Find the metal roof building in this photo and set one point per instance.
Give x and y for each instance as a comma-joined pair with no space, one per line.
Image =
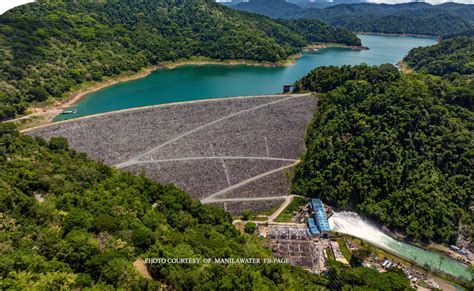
313,229
320,215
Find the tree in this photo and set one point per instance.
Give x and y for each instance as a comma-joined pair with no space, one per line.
77,219
142,237
58,143
38,94
106,222
120,272
246,214
250,227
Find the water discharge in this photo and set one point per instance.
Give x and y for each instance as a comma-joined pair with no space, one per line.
352,224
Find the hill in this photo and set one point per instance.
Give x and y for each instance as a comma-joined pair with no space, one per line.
270,8
324,4
433,22
393,147
50,48
316,31
408,18
453,55
467,32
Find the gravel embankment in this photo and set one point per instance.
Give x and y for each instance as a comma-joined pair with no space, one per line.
276,184
117,136
203,147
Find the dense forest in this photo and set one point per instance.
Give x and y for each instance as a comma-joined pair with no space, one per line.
408,18
466,32
453,55
270,8
51,47
68,222
315,31
395,147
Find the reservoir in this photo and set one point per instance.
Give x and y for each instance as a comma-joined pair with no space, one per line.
193,82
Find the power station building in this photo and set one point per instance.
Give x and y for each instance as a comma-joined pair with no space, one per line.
312,228
318,218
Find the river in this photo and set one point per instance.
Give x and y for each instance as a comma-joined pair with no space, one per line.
193,82
352,224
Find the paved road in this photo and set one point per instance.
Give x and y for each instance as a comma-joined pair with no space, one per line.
282,207
275,214
214,158
244,199
294,224
50,114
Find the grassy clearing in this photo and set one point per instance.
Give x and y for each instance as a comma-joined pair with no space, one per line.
344,250
329,254
287,214
269,211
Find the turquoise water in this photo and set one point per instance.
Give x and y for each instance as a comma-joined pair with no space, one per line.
351,223
215,81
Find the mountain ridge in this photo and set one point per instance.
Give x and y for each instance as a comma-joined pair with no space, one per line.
408,18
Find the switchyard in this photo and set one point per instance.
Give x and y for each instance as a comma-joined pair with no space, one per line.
306,245
293,243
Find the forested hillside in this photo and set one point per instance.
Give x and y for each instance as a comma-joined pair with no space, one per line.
454,55
68,222
325,4
467,32
432,22
51,47
409,18
317,31
271,8
396,148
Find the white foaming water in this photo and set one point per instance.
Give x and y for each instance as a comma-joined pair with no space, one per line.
352,224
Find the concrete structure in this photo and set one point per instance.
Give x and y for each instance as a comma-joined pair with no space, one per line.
287,88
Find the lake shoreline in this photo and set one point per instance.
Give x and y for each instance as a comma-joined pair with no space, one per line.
396,34
46,114
131,109
404,68
50,110
77,95
204,61
318,46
